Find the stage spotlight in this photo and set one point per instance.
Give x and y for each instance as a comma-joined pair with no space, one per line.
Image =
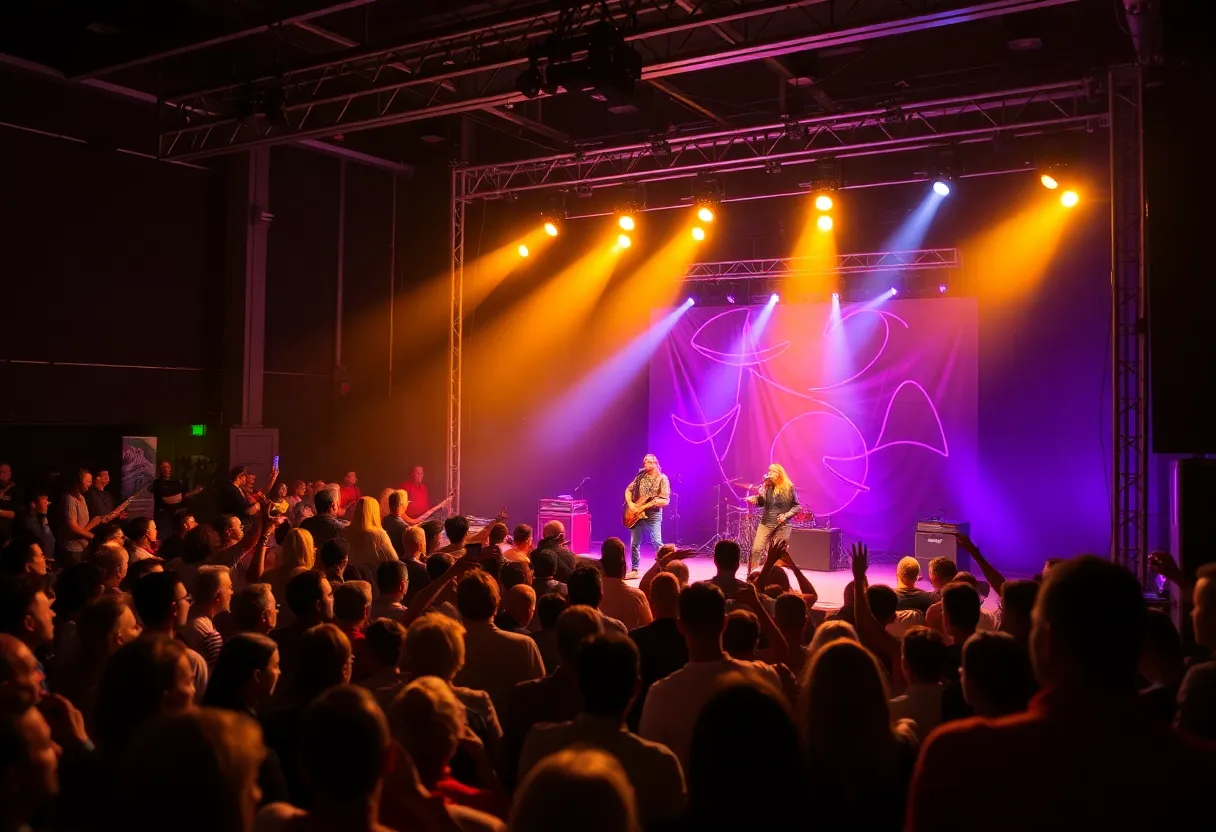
705,214
623,241
894,291
1069,198
824,223
523,251
942,288
626,222
774,298
1049,181
698,233
551,228
730,299
823,202
835,295
941,187
690,302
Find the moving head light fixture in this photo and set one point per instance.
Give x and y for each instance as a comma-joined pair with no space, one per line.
606,64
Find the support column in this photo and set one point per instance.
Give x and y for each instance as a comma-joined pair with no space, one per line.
456,337
1129,339
245,312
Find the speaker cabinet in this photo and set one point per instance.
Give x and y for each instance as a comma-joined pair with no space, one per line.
578,529
930,545
815,548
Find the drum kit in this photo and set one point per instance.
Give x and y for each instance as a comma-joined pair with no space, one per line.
741,520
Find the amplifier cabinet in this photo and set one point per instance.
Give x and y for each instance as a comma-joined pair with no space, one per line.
930,545
578,529
815,549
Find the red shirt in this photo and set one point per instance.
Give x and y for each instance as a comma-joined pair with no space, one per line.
362,667
453,791
420,500
1067,764
349,495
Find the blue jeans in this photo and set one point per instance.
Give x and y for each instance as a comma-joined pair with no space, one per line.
652,527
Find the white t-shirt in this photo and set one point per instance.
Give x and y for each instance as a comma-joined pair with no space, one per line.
674,702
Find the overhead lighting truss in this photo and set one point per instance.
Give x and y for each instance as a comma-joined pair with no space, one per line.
465,70
932,123
775,267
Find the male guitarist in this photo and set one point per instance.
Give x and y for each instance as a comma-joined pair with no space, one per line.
644,501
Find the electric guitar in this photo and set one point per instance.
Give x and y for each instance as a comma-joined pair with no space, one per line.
631,518
447,501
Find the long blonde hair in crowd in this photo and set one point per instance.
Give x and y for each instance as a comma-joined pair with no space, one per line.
367,515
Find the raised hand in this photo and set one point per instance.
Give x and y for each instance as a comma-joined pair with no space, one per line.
1166,566
861,561
968,546
747,594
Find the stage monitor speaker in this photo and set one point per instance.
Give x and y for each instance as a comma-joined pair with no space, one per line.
1192,528
578,529
814,548
930,545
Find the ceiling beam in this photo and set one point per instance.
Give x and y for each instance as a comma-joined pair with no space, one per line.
147,98
669,89
518,120
226,37
728,34
322,112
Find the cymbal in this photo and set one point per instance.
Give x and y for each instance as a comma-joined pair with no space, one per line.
750,486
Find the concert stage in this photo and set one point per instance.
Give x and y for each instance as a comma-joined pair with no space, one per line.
829,585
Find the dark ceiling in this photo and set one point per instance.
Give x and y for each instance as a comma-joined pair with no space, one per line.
164,48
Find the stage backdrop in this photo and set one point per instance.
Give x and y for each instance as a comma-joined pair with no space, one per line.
871,408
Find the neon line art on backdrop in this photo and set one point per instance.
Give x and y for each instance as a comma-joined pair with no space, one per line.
836,445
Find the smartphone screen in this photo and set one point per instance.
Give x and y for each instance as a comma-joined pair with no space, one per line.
473,550
276,460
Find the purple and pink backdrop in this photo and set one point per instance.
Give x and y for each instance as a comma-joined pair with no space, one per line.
872,409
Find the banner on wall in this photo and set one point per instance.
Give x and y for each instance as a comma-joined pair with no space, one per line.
138,472
871,408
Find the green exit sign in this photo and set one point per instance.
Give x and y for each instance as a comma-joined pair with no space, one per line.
198,430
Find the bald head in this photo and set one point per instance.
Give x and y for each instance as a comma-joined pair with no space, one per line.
520,603
20,677
554,529
665,595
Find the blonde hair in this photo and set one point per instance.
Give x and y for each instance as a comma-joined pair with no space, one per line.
416,534
434,646
367,516
384,502
224,750
829,631
298,550
582,788
782,484
428,720
908,570
844,717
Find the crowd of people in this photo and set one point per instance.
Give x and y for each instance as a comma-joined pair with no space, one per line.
311,658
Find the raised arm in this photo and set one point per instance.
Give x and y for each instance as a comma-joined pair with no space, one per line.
872,633
993,576
748,595
659,565
805,587
423,600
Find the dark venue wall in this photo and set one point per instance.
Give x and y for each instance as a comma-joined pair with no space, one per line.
115,302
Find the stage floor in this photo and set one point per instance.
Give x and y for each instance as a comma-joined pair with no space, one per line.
829,585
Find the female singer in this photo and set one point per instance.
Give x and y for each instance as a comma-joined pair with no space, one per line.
777,497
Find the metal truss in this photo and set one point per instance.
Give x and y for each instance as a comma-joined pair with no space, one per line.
934,258
465,71
456,339
1129,340
945,121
